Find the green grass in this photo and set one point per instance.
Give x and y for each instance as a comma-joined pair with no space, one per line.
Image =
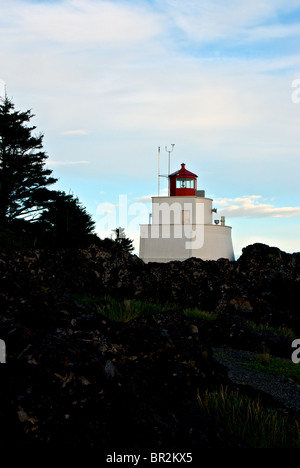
125,310
200,314
122,310
247,419
274,366
281,331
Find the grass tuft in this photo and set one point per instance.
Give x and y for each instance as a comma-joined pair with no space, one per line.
200,314
247,419
274,366
121,310
281,331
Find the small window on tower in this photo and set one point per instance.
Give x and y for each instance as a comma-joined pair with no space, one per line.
190,183
180,183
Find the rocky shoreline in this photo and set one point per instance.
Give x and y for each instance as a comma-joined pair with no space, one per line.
73,376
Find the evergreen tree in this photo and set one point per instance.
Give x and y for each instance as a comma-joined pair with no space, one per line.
65,221
124,242
23,177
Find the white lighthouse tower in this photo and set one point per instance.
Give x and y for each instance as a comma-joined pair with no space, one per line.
182,225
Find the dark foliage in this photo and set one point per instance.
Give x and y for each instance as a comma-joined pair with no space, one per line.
23,176
73,377
31,215
65,222
122,241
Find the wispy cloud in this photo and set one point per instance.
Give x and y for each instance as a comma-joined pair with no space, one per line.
246,206
65,163
145,199
148,198
208,20
81,22
213,77
75,132
251,207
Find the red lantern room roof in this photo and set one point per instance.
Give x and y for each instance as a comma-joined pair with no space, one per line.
183,172
182,183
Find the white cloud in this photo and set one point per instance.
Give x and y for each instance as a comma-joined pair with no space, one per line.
137,84
79,22
75,132
145,199
118,69
65,163
208,20
148,198
251,207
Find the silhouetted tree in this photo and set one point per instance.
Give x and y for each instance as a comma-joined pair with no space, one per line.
122,241
65,221
23,177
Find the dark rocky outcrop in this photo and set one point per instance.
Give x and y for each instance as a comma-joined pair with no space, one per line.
263,284
74,377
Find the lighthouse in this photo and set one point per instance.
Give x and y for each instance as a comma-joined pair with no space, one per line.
182,225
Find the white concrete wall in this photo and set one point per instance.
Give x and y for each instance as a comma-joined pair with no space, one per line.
162,243
217,243
182,228
209,242
168,210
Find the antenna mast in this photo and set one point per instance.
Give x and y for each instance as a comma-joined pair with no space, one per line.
160,175
159,171
169,151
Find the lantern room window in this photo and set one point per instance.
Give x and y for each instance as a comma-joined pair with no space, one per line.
185,183
182,183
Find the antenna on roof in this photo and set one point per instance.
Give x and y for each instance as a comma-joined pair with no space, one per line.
159,174
170,151
159,171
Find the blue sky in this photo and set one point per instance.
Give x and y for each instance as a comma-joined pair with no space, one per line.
111,81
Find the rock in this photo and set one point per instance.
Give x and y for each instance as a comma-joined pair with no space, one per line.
194,329
241,305
263,283
74,375
109,370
